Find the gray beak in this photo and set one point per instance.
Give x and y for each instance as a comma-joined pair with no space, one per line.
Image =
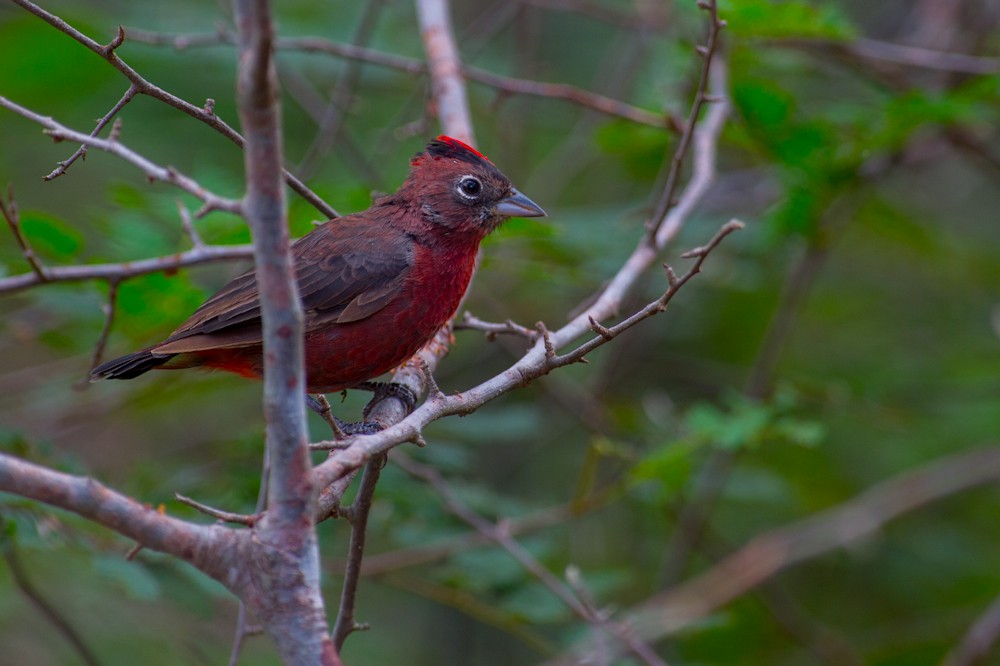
518,205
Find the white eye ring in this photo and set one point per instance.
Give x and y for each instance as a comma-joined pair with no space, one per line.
469,187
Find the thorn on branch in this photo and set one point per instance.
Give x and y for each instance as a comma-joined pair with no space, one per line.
108,49
602,331
550,350
672,280
209,107
109,317
188,225
133,551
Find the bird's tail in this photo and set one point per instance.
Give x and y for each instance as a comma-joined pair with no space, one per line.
129,366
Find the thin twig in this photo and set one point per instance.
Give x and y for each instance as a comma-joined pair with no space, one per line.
701,97
382,563
153,171
204,114
81,152
127,269
914,56
332,121
10,213
473,323
506,84
358,514
109,318
188,225
218,514
771,552
38,600
499,534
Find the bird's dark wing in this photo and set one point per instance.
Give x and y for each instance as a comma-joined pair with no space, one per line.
343,275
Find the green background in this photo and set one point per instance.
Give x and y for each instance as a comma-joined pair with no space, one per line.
870,194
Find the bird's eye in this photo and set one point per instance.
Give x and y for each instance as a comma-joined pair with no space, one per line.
470,187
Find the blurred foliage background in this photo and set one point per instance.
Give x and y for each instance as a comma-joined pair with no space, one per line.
850,333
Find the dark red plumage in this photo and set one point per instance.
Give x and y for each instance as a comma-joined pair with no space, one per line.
375,285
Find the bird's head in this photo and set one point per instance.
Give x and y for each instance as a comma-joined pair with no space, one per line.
458,188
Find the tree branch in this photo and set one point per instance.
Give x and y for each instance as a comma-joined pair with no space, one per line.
498,534
773,551
506,84
203,255
358,515
206,547
206,115
153,171
82,150
286,573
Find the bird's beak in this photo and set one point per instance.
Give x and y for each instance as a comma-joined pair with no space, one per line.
518,205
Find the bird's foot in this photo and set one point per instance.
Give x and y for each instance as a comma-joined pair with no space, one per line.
388,390
319,404
359,427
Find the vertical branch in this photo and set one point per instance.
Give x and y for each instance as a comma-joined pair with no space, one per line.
285,571
358,515
447,84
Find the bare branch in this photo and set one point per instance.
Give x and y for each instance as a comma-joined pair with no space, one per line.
701,97
287,597
473,323
358,515
499,534
109,319
206,547
224,516
448,88
82,150
776,550
49,610
501,82
382,563
153,172
204,255
913,56
336,109
9,211
206,115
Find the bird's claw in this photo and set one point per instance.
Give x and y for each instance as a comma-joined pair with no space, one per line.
359,427
383,390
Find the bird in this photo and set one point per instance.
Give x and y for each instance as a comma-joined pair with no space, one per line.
375,286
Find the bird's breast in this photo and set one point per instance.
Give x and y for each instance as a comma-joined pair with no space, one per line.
343,355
